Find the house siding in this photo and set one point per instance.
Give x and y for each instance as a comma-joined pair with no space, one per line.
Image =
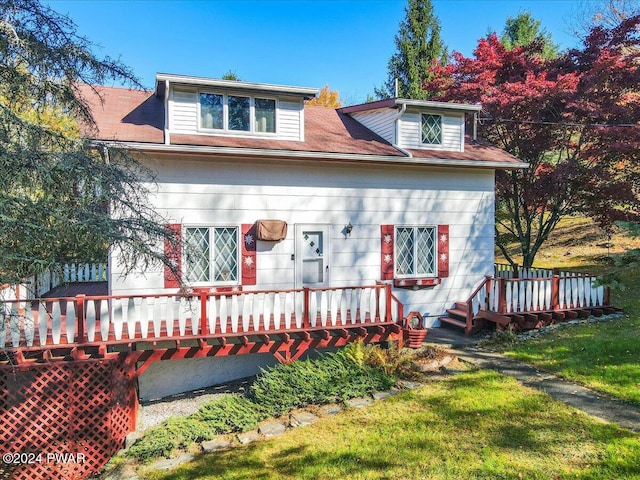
452,132
214,192
183,111
206,191
380,121
183,115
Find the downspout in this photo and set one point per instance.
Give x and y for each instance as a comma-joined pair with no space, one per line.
475,126
395,145
167,138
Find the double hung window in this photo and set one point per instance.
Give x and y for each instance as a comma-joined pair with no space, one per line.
416,254
212,255
237,113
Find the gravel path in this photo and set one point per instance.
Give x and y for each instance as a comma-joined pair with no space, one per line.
155,412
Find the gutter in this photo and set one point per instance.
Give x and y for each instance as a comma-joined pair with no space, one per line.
307,155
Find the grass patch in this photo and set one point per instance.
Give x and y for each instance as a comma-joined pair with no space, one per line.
472,426
603,355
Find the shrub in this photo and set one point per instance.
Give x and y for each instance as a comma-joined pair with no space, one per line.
175,433
227,414
330,378
231,413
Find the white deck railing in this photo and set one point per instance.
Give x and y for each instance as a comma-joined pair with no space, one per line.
82,319
521,295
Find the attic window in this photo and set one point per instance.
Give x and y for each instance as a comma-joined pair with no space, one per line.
431,129
235,113
265,115
211,111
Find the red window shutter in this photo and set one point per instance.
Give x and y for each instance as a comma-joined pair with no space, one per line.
249,254
443,251
386,251
173,252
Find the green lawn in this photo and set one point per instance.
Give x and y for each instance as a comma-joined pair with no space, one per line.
603,356
471,426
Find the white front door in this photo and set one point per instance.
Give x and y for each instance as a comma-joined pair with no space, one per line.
312,256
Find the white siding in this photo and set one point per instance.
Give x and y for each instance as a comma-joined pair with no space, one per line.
452,132
183,115
183,111
289,121
380,121
205,191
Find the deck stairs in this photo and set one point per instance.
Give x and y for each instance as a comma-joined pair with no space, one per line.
535,301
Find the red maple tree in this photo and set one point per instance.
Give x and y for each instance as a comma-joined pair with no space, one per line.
574,119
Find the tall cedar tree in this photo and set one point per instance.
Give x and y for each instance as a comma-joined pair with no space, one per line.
418,45
574,119
63,198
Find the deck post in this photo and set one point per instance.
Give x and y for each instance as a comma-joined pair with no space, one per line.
607,295
80,317
555,291
387,292
502,296
305,313
487,295
203,313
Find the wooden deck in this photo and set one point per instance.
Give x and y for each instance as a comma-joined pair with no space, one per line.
154,327
529,298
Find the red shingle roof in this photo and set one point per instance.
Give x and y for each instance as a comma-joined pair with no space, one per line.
137,116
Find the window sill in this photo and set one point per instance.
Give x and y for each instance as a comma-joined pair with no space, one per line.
416,283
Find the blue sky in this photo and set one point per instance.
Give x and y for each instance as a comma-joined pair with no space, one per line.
307,43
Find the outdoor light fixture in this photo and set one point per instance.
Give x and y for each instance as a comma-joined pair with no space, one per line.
348,228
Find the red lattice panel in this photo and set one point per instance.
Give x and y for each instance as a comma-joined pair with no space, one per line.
65,418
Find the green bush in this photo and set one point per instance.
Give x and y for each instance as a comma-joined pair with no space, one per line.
330,378
227,414
231,414
178,432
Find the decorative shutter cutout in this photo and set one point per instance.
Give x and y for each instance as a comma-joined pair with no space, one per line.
249,254
443,251
386,251
173,251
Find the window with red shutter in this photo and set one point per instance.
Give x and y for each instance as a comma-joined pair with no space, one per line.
173,252
414,255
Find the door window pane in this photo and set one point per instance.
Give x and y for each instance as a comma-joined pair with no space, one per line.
211,111
239,108
312,271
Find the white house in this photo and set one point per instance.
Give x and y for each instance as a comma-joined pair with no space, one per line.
272,194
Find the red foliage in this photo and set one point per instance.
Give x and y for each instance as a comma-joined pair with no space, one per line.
575,119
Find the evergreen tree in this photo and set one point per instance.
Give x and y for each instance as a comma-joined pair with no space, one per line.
524,30
418,45
63,197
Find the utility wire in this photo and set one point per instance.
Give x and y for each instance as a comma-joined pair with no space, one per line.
564,124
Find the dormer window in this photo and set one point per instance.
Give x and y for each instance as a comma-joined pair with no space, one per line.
239,113
235,113
431,129
211,111
265,116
